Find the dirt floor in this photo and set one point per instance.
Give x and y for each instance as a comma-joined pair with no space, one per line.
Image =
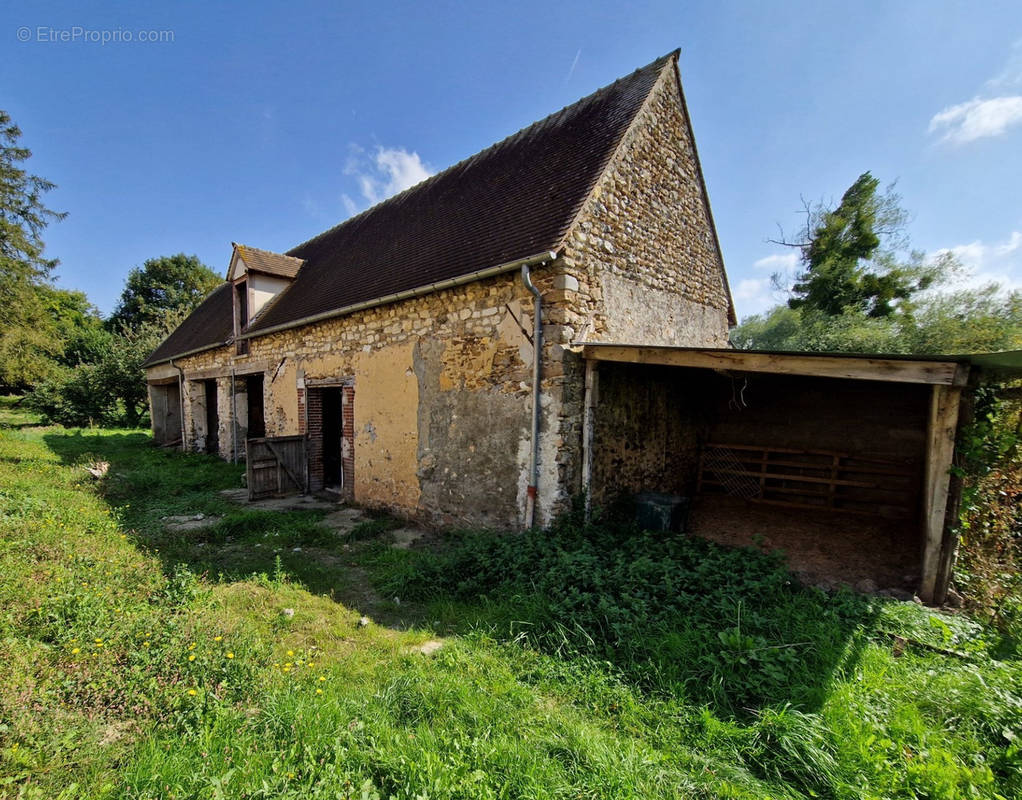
822,548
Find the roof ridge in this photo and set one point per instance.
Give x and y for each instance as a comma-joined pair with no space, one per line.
396,199
264,250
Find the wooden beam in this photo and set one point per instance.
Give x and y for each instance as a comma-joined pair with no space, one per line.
245,368
867,368
588,428
940,447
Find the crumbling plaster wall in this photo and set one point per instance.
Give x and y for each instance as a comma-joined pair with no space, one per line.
442,397
443,381
643,250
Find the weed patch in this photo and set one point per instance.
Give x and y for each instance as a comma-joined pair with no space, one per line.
597,662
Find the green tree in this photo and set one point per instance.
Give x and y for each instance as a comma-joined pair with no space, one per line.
170,284
28,341
849,256
109,390
78,325
862,290
964,321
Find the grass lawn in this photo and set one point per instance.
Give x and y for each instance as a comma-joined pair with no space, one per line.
583,662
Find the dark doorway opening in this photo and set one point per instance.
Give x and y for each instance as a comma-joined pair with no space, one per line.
333,432
212,418
256,419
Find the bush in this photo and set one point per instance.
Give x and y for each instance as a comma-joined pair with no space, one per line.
75,398
990,554
675,613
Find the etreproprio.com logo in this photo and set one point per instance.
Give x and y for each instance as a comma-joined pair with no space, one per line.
78,34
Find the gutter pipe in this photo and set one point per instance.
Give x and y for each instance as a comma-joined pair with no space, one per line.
461,280
234,415
537,356
478,275
180,399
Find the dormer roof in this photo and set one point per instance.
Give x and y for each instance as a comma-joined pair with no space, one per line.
264,262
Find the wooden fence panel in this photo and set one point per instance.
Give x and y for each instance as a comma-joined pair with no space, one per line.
276,466
821,479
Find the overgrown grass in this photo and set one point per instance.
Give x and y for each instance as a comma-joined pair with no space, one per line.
581,662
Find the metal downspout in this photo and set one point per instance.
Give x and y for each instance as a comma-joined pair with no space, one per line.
234,415
537,356
180,400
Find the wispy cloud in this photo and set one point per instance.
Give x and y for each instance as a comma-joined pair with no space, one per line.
1011,75
1000,262
574,64
984,116
758,294
778,262
382,174
977,119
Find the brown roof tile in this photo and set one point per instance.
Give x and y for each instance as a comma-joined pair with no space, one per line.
513,200
268,263
211,324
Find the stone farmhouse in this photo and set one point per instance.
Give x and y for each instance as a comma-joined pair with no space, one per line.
550,318
422,356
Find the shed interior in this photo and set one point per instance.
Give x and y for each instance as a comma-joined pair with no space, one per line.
828,470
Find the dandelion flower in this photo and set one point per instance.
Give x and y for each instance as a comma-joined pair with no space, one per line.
76,650
319,691
191,657
191,646
290,652
322,678
145,643
230,655
218,638
192,692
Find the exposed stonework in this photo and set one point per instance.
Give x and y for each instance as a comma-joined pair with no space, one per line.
442,383
643,249
442,403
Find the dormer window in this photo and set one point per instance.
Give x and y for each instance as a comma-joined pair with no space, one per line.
259,276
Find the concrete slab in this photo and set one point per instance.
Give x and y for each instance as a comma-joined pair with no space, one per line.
344,519
296,502
405,537
181,523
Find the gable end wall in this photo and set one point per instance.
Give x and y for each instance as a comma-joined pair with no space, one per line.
643,248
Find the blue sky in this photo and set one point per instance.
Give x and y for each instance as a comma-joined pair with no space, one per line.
266,123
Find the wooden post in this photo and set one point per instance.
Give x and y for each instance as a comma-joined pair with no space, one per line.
940,446
588,426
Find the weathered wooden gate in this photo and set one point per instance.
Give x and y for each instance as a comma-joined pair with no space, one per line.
276,466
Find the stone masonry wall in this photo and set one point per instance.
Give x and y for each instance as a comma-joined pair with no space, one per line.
643,249
441,404
443,382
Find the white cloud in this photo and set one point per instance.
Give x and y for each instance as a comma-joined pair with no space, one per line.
383,174
777,262
758,294
977,119
1000,262
1011,75
983,117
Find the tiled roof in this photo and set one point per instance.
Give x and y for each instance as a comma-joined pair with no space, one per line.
513,200
268,263
209,325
